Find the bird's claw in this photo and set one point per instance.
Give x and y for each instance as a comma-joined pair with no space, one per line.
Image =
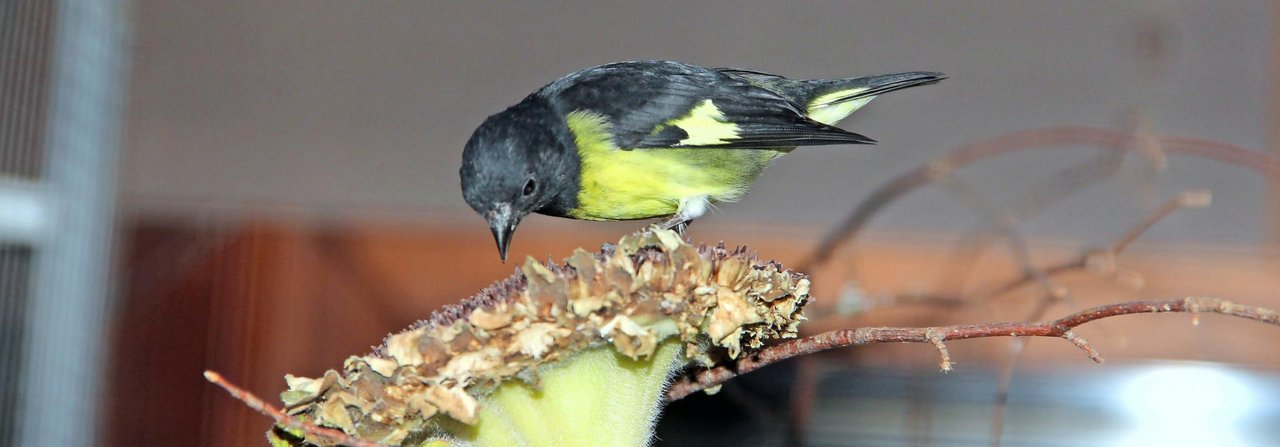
675,223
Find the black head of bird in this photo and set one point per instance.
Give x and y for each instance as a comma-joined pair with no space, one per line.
517,162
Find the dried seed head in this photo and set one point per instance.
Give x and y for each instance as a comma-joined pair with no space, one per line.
649,287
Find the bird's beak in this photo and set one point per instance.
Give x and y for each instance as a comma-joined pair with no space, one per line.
503,224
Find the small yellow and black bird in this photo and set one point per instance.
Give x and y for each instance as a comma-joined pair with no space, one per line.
646,139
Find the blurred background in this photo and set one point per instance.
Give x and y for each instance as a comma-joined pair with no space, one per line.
263,188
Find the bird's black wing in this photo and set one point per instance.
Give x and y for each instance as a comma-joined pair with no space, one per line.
659,104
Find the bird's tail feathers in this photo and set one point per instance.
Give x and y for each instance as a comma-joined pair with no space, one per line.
830,100
827,92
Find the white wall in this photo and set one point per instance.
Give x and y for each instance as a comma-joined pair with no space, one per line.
351,108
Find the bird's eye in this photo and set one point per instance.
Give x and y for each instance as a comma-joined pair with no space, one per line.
529,187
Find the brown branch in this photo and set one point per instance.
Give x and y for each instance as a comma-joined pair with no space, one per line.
1060,328
1005,223
1003,381
804,392
284,420
1037,197
1105,258
1053,137
1102,259
1040,196
1187,199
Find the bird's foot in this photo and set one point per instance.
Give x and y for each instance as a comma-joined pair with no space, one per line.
675,223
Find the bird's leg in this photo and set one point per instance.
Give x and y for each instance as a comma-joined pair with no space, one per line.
682,226
676,223
690,208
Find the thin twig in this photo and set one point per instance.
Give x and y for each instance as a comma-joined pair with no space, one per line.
1060,328
804,392
1005,223
1036,198
1052,137
284,420
1003,381
1187,199
1101,258
1105,257
1199,198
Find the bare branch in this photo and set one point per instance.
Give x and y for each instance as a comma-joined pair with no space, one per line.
1037,197
284,420
1187,199
1060,328
1052,137
1105,258
1004,222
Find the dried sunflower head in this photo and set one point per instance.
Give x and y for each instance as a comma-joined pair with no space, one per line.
649,289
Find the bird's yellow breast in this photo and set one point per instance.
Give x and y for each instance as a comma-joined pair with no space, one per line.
619,184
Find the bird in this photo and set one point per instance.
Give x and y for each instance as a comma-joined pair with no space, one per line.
652,139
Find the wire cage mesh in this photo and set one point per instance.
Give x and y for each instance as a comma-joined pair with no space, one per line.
61,90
